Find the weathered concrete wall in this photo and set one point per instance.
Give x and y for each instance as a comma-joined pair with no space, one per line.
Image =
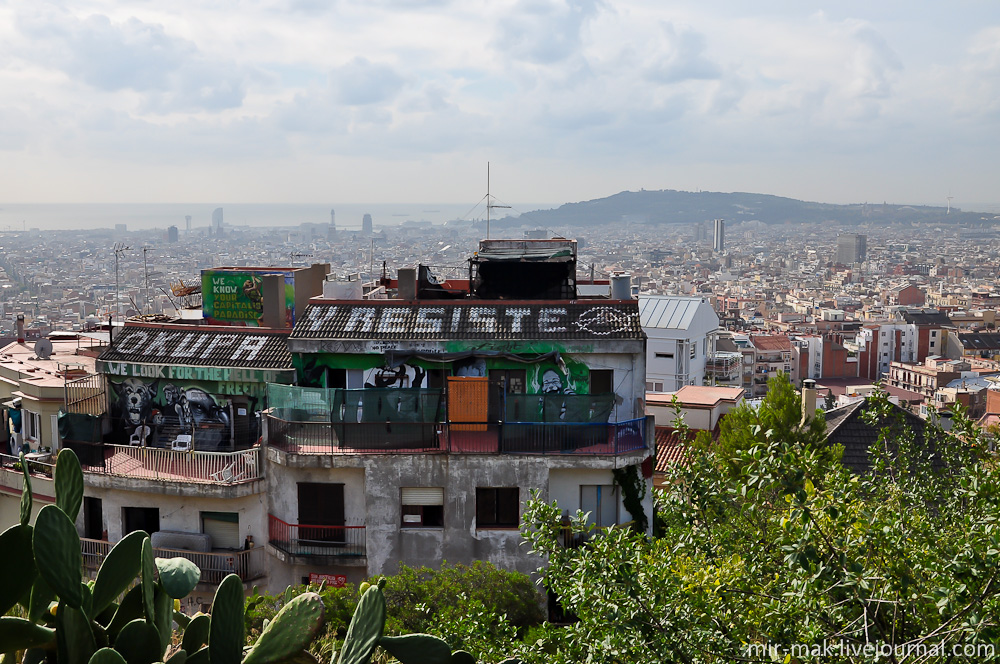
459,540
177,512
283,490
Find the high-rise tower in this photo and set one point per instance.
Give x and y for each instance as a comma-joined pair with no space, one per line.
852,248
719,245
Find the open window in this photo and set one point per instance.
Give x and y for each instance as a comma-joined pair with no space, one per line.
422,507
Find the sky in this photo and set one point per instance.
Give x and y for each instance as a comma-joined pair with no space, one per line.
391,101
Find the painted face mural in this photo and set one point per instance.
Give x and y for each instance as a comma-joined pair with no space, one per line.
172,409
135,400
404,375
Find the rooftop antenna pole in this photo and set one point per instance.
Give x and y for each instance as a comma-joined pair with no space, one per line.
489,201
145,270
120,248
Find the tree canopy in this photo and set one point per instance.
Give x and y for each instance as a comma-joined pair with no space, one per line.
772,551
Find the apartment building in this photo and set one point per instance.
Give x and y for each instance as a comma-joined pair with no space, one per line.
423,421
679,331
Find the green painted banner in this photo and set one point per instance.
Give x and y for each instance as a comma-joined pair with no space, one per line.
235,297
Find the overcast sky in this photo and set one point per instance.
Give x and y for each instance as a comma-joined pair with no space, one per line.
405,100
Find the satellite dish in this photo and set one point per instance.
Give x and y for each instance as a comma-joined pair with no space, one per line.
43,349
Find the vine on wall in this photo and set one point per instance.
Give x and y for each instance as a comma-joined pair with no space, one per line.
633,491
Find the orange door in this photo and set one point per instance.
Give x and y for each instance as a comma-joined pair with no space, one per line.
468,398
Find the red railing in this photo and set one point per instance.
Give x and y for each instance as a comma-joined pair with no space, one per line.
299,539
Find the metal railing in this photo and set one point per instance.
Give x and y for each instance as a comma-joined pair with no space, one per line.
299,539
609,438
215,566
354,437
34,467
155,463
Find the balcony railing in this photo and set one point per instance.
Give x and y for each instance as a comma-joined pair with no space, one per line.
214,566
609,438
153,463
299,539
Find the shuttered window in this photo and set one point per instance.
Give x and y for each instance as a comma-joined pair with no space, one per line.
223,528
423,495
422,507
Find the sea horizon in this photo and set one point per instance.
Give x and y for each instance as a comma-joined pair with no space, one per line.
147,216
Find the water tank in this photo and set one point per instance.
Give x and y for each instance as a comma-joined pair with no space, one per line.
621,286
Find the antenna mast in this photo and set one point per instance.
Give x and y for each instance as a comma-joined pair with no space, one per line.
145,270
489,201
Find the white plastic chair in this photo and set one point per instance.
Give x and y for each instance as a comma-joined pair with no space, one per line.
139,436
182,443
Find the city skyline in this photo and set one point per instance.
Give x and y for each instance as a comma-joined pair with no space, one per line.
399,101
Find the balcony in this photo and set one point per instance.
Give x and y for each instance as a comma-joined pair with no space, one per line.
214,566
611,438
317,544
165,465
311,421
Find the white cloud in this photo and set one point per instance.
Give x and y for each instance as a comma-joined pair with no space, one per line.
600,90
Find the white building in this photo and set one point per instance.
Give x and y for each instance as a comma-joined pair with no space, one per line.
678,331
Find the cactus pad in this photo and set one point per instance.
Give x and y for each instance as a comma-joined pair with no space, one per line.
417,649
18,634
226,633
69,483
178,576
366,627
56,545
139,643
289,632
107,656
18,570
196,634
119,569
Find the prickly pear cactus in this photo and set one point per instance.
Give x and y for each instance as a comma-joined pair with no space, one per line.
290,632
72,622
367,625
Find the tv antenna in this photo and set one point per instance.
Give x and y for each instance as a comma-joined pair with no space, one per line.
489,201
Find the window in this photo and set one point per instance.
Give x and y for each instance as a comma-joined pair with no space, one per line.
422,507
664,356
498,507
32,426
654,386
602,381
601,501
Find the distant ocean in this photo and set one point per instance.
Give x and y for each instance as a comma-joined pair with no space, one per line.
139,216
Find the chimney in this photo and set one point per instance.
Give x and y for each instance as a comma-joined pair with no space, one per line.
808,400
407,283
273,294
20,328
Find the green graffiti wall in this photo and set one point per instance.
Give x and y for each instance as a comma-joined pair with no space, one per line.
570,376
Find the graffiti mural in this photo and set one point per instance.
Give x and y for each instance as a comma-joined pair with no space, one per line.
404,375
167,410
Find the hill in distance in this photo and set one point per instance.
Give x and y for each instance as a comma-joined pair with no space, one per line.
668,206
